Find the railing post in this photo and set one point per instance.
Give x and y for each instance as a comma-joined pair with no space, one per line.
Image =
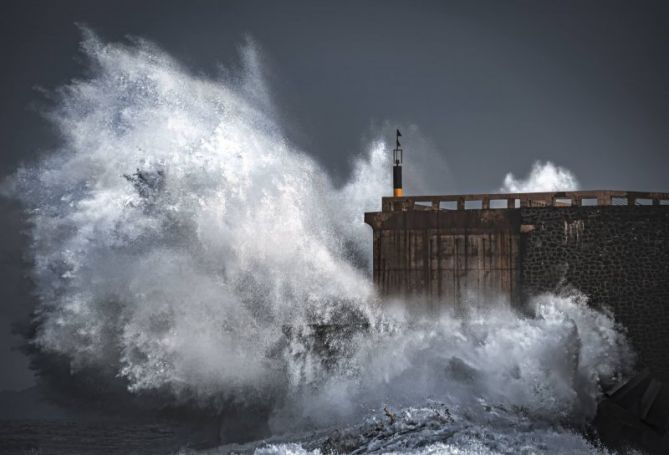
603,199
461,203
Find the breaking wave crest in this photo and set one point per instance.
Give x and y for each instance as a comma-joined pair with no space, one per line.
543,177
490,381
551,363
183,244
176,231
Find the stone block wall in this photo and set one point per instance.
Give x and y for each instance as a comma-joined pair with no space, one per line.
617,255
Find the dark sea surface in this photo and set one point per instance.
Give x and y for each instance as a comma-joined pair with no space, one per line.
69,437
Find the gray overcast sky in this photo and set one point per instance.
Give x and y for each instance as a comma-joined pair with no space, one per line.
493,85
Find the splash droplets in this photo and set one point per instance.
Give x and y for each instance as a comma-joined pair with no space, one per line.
176,232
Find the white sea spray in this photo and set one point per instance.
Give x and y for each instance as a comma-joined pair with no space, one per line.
176,233
543,177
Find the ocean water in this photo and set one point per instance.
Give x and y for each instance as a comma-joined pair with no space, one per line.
181,244
33,437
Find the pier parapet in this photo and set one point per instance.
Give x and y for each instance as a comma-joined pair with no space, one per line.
518,200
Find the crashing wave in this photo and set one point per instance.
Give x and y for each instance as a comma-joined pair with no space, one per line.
176,234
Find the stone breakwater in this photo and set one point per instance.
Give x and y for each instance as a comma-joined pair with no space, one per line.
442,249
617,255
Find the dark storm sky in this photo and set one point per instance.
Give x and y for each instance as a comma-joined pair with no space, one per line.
494,85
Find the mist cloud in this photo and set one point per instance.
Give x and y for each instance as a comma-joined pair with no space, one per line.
543,177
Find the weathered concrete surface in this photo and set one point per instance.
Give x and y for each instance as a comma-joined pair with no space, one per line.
450,257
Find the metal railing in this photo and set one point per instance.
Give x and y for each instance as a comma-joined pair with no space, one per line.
517,200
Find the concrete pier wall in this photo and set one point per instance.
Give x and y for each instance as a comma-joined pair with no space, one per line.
611,245
448,257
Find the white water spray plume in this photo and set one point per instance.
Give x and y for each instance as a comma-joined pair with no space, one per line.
543,177
182,244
